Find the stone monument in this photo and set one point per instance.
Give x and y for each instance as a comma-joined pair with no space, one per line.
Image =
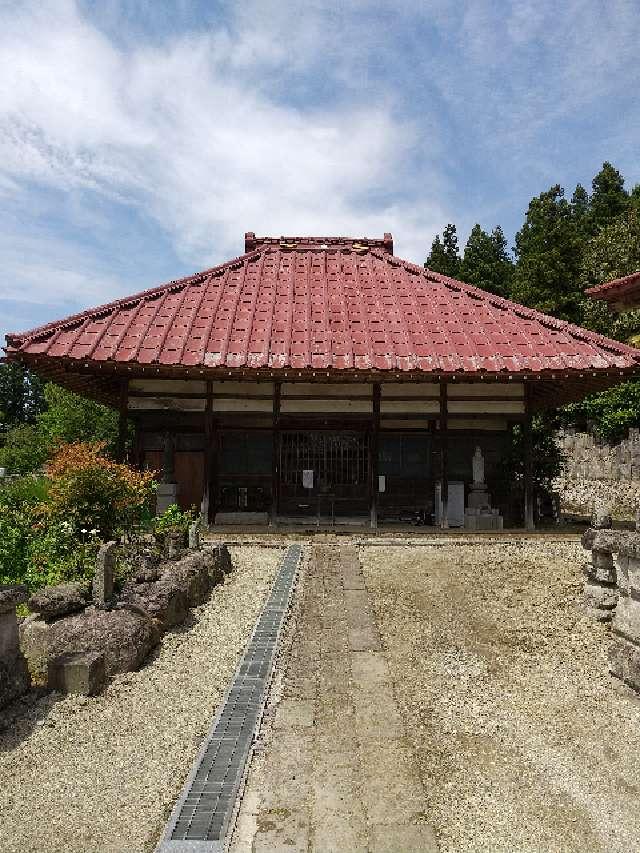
478,496
103,576
479,514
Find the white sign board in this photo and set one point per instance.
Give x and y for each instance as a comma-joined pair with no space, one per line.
382,483
307,478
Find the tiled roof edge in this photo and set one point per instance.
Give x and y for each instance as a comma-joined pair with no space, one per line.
615,284
521,310
18,339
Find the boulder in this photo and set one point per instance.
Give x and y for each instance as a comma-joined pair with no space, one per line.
165,600
125,636
147,574
223,558
192,573
174,544
53,602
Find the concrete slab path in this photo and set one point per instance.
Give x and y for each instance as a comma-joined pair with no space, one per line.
337,772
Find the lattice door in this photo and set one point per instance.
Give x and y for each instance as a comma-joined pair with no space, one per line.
339,460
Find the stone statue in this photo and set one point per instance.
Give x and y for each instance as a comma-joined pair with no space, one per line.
478,467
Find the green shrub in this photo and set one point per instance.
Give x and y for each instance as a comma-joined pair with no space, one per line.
25,449
608,414
174,520
58,555
16,536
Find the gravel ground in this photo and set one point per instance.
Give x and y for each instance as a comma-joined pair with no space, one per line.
102,774
524,743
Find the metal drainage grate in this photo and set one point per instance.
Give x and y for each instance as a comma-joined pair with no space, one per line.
200,819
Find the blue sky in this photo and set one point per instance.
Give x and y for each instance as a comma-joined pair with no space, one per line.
140,139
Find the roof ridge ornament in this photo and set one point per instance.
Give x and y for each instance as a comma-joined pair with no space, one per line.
251,242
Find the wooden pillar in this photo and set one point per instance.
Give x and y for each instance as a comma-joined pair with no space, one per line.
275,455
529,521
138,458
444,455
123,411
209,451
374,455
168,460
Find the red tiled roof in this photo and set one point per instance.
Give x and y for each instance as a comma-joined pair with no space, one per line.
616,289
323,303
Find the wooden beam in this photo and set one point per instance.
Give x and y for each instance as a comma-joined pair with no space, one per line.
374,456
121,448
275,454
444,455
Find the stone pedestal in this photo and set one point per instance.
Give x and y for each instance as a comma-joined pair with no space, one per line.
166,496
485,518
14,675
478,497
80,672
479,514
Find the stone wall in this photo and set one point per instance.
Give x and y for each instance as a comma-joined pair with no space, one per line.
599,474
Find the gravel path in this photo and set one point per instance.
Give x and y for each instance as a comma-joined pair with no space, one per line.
102,774
523,742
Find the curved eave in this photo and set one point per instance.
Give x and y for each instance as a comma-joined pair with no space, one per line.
102,380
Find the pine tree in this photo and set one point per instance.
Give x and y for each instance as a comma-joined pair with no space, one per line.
614,251
609,199
580,206
486,262
444,256
549,252
21,397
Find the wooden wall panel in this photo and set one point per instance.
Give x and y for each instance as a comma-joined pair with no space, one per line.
189,468
410,389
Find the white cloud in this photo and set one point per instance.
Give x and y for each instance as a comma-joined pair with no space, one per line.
180,131
324,117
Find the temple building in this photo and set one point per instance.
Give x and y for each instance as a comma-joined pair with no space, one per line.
325,379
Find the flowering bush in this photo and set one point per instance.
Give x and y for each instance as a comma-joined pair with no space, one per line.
94,493
51,527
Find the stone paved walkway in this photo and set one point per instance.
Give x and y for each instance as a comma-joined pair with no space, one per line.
337,773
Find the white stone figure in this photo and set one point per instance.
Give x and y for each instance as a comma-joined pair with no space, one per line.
478,467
